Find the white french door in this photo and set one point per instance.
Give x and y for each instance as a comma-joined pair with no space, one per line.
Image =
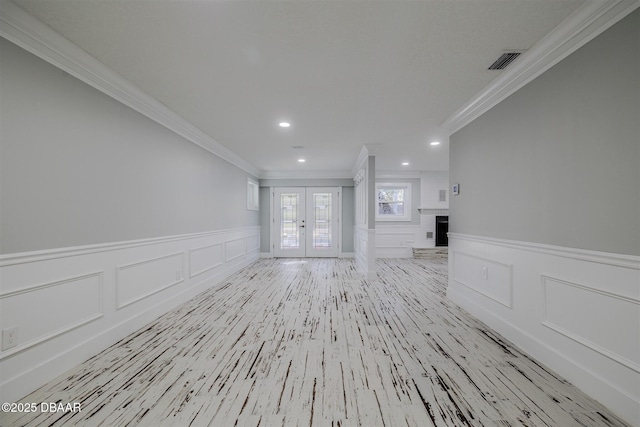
306,221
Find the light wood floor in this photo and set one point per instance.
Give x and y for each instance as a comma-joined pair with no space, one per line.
309,342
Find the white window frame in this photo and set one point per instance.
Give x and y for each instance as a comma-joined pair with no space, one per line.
406,186
253,195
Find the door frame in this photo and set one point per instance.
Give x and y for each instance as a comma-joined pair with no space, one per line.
274,228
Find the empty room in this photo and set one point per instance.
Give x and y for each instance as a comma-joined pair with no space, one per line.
320,213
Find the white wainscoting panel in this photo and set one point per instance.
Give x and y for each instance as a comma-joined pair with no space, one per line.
396,241
253,243
584,314
576,311
144,278
68,304
205,258
365,250
489,278
234,249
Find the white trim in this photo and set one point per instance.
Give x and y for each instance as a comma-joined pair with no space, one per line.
619,399
509,267
408,191
366,151
118,285
579,339
92,317
600,360
591,19
306,174
19,27
210,267
49,254
618,260
25,368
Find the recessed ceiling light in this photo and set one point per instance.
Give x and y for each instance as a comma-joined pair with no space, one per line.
405,163
301,160
284,124
435,143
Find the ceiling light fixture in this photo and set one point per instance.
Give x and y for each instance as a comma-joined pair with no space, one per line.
284,124
434,143
405,163
301,160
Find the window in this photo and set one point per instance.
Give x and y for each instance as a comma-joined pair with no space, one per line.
253,193
394,201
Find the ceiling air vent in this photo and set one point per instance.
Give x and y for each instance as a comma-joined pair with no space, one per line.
504,60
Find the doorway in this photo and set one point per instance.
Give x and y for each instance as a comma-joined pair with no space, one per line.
306,221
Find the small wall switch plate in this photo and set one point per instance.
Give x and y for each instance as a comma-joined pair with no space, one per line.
9,338
485,273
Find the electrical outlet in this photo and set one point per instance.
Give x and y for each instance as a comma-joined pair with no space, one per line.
485,273
9,338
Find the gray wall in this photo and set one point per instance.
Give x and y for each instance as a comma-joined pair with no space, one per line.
265,217
348,217
558,162
78,168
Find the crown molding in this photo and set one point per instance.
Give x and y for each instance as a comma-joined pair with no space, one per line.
366,151
303,174
589,20
17,26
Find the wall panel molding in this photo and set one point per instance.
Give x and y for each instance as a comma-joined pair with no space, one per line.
52,298
234,249
617,260
600,307
142,279
128,285
574,310
205,258
498,283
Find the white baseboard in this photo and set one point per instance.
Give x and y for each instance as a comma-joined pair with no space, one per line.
576,311
83,314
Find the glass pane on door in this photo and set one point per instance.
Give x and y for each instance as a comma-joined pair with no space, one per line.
322,236
289,212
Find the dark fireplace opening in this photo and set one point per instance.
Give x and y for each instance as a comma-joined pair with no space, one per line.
442,228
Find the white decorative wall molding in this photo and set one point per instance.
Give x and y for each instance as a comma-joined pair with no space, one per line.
576,311
396,241
598,308
57,253
618,260
234,249
364,245
141,279
90,297
487,277
305,175
205,258
17,307
19,27
591,19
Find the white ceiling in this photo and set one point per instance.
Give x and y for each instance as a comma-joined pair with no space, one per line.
344,73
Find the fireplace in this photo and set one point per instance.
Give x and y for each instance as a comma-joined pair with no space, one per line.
442,228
